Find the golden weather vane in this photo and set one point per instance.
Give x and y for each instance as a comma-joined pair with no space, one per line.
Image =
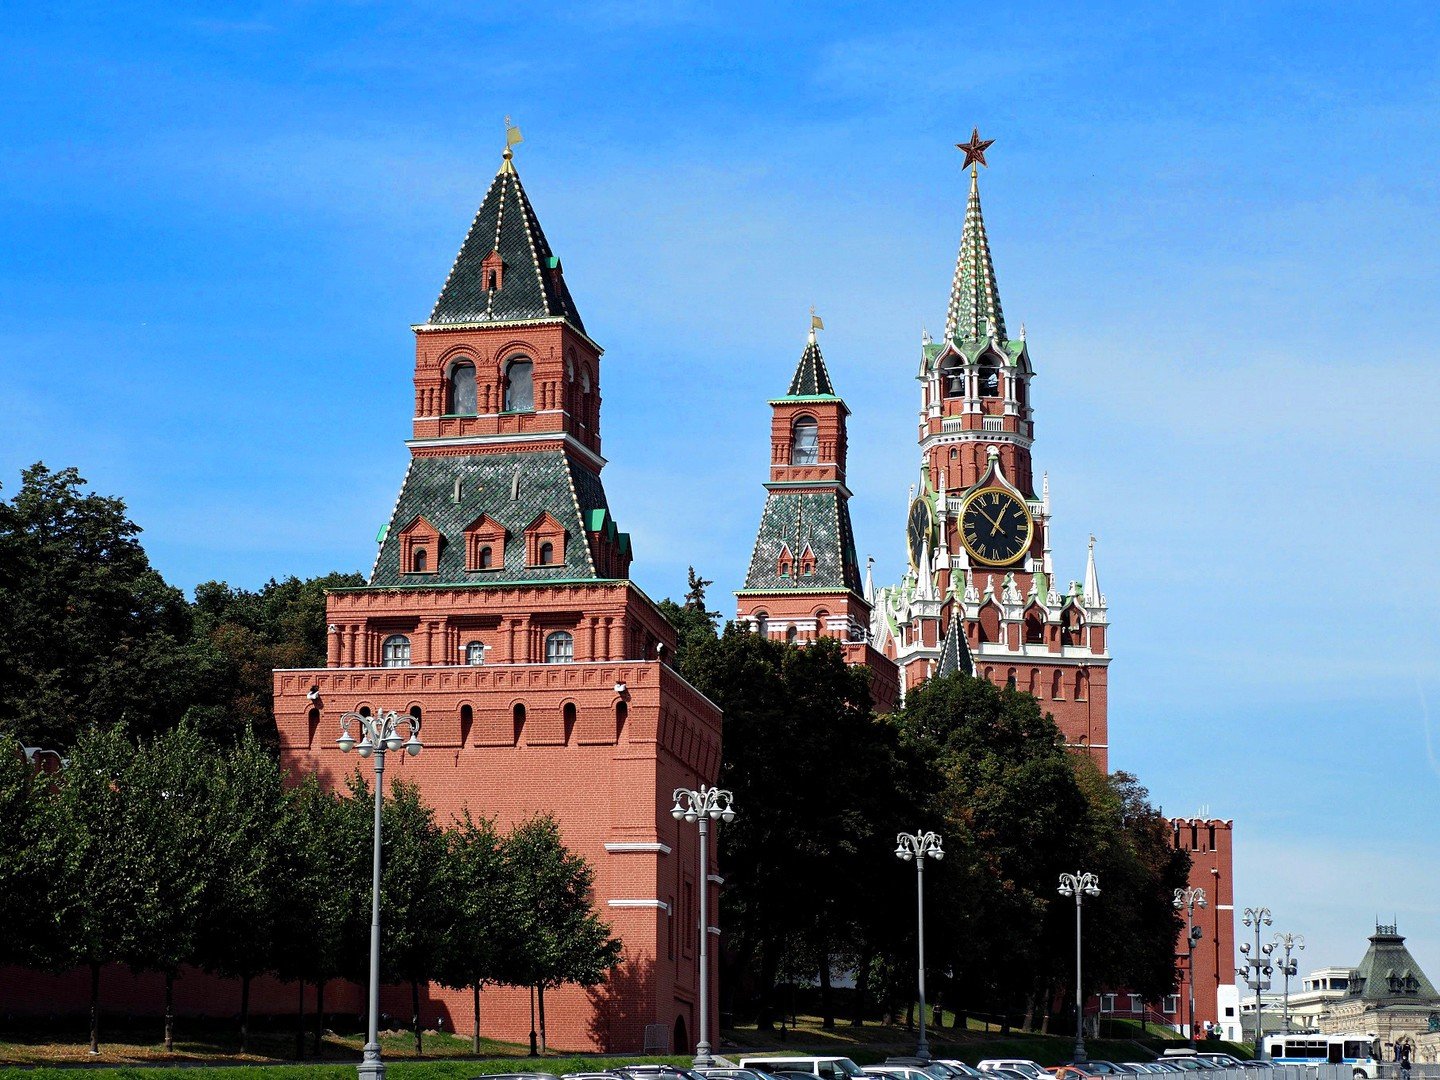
975,150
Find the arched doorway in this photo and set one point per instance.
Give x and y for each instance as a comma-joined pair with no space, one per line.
681,1045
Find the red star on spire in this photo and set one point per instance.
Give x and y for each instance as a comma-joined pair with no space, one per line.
975,149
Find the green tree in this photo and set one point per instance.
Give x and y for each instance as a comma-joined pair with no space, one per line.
818,823
89,630
1007,801
694,623
558,936
32,859
478,935
252,856
169,792
327,893
92,819
414,903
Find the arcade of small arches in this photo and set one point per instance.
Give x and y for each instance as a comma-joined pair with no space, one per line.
413,642
559,649
512,388
485,540
1052,684
984,379
528,724
798,631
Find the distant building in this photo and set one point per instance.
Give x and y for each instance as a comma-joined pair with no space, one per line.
1387,995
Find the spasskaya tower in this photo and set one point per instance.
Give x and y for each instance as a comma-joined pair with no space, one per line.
980,592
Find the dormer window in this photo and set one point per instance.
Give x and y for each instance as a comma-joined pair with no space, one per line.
545,542
421,561
805,442
520,385
547,554
419,547
485,557
462,389
492,271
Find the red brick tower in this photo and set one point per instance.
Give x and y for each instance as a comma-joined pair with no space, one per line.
500,612
1209,842
977,532
804,579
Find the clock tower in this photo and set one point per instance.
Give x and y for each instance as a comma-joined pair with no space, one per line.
980,592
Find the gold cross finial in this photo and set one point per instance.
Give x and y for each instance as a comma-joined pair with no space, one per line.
975,150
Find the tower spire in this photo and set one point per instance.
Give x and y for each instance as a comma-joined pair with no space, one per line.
1092,579
811,377
974,313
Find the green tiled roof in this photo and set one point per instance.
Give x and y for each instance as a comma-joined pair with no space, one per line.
811,379
819,519
548,480
1388,971
531,285
974,313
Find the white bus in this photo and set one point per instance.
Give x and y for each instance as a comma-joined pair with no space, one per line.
1356,1049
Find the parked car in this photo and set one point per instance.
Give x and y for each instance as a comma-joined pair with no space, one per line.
1073,1071
1225,1061
827,1068
1105,1068
938,1070
1024,1066
900,1072
960,1066
727,1073
655,1071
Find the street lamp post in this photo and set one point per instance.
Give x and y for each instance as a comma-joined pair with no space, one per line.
1079,885
1289,943
1187,900
918,847
703,806
1257,971
378,734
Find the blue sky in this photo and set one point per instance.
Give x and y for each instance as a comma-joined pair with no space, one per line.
1219,231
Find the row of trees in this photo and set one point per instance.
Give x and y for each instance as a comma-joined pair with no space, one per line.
815,889
177,852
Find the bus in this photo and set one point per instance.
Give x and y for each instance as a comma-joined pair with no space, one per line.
1356,1049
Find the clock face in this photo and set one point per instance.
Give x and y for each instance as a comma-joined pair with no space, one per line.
995,526
918,529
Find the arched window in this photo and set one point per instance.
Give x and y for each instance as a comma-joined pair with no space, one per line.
952,377
486,558
518,716
989,377
805,442
475,653
568,715
1010,679
762,624
791,634
821,617
547,553
559,648
520,385
462,390
420,560
1020,389
621,712
1057,688
396,651
1034,628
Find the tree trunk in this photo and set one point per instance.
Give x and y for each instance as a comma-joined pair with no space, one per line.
300,1022
765,1018
319,1014
862,979
475,1039
540,993
910,1016
1029,1022
95,1008
415,1016
169,1012
244,1013
534,1046
827,995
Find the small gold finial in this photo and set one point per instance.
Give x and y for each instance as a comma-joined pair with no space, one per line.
974,151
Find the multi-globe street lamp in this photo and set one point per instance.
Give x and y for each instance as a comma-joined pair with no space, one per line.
1289,943
703,806
378,734
1257,970
1187,900
1079,885
919,847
